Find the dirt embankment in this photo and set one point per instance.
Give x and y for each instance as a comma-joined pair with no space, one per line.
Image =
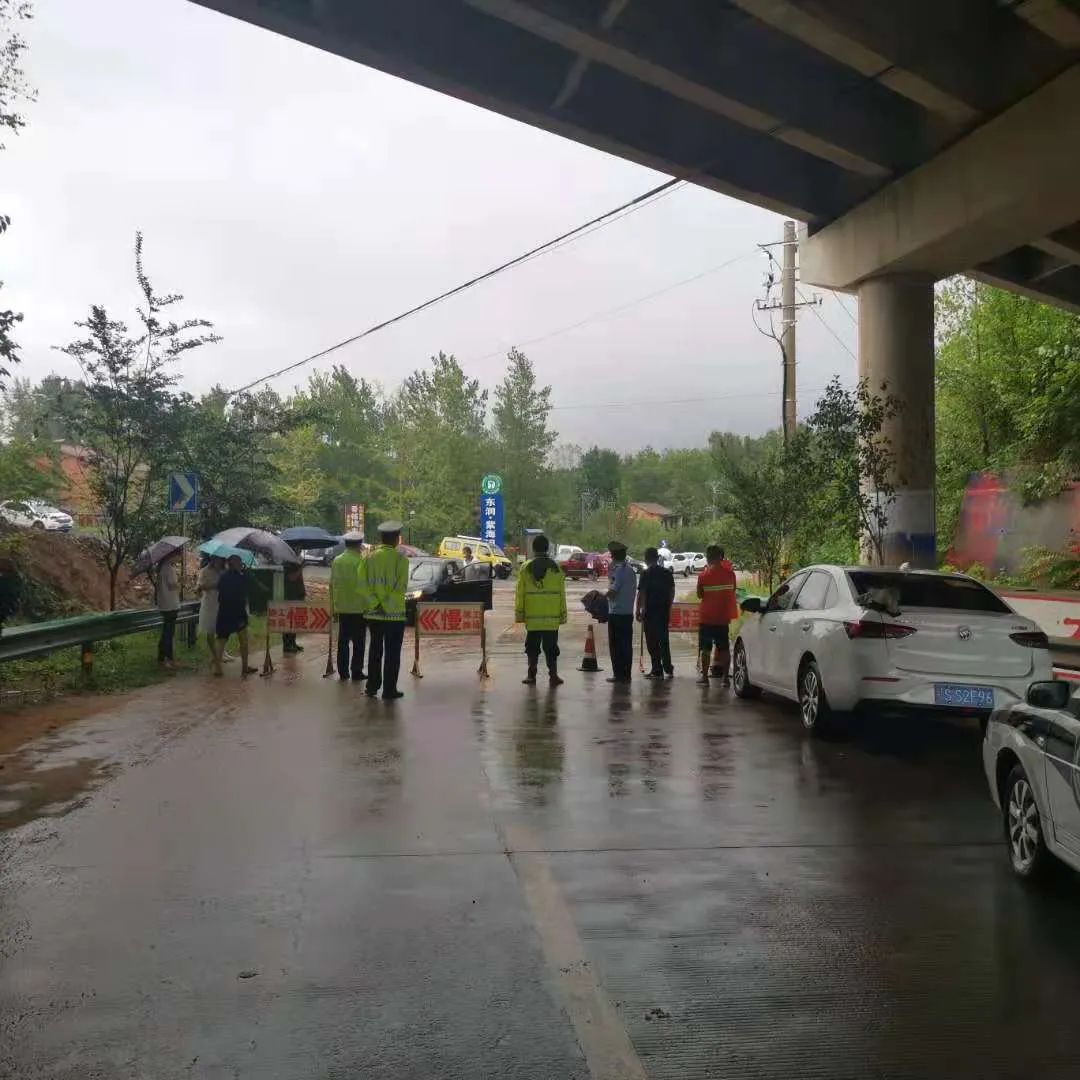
64,574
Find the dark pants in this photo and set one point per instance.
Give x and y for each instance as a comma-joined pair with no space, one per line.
351,631
548,640
168,632
384,663
620,635
658,642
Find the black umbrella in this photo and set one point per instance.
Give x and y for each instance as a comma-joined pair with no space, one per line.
266,545
158,550
307,536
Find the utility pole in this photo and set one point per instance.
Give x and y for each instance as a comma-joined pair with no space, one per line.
788,308
787,324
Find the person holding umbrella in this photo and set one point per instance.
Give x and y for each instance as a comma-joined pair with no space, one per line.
157,562
232,615
207,588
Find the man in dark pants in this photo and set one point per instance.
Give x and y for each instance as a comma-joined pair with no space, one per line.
294,590
540,603
387,579
348,595
655,595
622,587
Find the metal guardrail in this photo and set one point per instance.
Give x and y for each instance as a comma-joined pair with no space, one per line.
37,639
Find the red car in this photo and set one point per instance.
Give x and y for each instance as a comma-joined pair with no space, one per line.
586,564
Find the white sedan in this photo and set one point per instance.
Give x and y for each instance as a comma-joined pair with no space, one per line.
836,639
35,515
1031,754
699,562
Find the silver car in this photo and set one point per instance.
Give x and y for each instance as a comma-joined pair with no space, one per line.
1031,754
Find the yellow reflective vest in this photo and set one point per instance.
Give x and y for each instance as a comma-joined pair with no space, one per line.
348,589
387,580
540,605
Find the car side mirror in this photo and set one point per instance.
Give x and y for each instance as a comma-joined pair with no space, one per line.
751,605
1051,694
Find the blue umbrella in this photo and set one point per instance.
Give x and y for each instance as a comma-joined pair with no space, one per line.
307,536
217,549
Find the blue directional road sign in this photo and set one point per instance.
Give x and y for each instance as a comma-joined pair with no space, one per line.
184,492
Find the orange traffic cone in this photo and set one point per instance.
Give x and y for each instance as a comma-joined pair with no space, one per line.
588,661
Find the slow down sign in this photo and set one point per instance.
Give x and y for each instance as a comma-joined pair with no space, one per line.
297,617
450,620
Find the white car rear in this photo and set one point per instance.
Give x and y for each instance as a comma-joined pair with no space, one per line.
837,639
699,562
681,563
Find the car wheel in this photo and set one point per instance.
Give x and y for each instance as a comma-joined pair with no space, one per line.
1023,826
813,704
740,676
38,525
593,575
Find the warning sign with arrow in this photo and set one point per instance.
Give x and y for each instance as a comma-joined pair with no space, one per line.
297,617
449,620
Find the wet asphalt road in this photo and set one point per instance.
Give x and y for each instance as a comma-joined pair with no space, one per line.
284,879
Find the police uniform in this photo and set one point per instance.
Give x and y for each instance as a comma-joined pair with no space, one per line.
348,594
387,579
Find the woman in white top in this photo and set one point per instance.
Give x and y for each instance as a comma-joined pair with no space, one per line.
208,604
167,593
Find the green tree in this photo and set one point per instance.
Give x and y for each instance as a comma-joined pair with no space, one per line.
853,461
440,446
13,87
230,443
768,499
600,473
350,417
523,442
300,481
131,419
1008,393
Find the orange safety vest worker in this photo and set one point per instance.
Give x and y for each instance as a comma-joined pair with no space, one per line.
716,587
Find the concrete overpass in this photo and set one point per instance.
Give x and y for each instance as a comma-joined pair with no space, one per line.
913,138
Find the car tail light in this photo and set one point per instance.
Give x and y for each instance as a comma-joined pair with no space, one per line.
1031,639
875,628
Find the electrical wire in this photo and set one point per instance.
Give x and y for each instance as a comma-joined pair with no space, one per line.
607,218
821,319
652,402
620,307
844,307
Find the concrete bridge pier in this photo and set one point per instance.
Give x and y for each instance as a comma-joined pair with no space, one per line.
896,350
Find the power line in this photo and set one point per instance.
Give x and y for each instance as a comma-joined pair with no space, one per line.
652,195
653,402
844,307
843,344
622,307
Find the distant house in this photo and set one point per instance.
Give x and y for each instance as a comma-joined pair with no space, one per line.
74,492
650,511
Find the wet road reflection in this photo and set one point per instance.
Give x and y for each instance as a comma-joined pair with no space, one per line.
753,903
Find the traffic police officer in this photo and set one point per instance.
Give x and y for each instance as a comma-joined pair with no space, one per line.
387,580
348,595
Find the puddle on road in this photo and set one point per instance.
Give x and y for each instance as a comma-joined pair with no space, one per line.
29,790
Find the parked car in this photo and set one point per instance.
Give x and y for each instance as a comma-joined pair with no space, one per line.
321,556
32,514
444,581
586,564
681,563
1030,753
837,638
453,547
563,553
699,562
637,564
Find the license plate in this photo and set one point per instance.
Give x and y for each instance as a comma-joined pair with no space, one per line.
972,697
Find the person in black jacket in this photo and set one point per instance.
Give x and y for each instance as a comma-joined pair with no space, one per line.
655,595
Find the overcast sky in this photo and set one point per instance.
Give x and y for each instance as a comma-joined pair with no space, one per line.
296,198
